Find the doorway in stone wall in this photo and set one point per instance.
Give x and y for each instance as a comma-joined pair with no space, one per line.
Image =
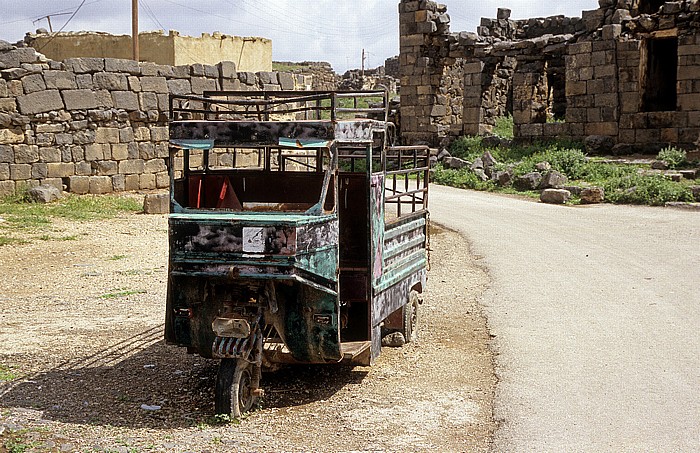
659,74
556,86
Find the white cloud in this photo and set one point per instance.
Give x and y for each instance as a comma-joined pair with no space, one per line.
320,30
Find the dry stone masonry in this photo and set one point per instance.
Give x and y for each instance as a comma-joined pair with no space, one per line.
623,77
97,125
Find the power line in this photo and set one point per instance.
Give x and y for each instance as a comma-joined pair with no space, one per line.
64,26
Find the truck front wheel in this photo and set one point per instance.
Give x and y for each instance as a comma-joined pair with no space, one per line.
234,388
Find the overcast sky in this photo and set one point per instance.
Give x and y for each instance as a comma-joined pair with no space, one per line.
301,30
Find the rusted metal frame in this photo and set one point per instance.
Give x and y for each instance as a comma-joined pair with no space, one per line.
250,133
359,110
397,221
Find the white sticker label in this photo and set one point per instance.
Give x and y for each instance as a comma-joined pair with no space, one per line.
253,240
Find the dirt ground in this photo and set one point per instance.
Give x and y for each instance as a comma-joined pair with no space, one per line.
81,326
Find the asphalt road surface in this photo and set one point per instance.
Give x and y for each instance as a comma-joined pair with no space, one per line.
596,317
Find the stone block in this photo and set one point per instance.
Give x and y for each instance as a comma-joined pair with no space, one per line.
106,168
155,166
60,170
131,182
576,88
689,72
147,181
80,99
126,100
118,183
612,31
40,102
20,172
148,101
10,136
101,184
79,185
131,166
607,128
83,168
555,196
120,151
7,154
286,81
689,102
179,86
162,180
107,135
160,134
110,81
85,65
49,154
33,83
26,154
8,105
4,172
201,84
154,84
119,65
7,188
227,69
592,195
94,151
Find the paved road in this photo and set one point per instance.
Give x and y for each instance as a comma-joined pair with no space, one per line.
596,313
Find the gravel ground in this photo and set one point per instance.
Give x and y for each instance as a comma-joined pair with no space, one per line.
81,326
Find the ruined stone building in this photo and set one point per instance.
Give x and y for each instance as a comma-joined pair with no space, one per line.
627,74
249,54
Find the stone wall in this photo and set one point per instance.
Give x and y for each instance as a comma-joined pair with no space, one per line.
249,54
97,125
321,75
613,74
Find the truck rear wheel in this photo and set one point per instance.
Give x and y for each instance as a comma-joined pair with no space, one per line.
410,317
234,388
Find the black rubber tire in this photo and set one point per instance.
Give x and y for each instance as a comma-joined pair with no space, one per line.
410,317
234,392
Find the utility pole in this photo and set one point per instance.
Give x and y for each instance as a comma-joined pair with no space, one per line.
135,28
48,18
363,63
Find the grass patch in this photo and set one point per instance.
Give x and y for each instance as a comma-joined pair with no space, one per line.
116,257
21,215
674,157
504,127
623,183
6,374
121,292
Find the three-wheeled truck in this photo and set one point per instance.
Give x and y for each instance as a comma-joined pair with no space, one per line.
296,233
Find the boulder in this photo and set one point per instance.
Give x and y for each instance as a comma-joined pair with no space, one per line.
553,180
478,164
394,340
443,154
504,178
529,181
156,203
555,196
696,192
659,165
488,160
44,194
592,195
598,144
454,163
481,174
543,166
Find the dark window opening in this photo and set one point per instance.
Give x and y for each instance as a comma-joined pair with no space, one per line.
659,80
556,82
650,6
